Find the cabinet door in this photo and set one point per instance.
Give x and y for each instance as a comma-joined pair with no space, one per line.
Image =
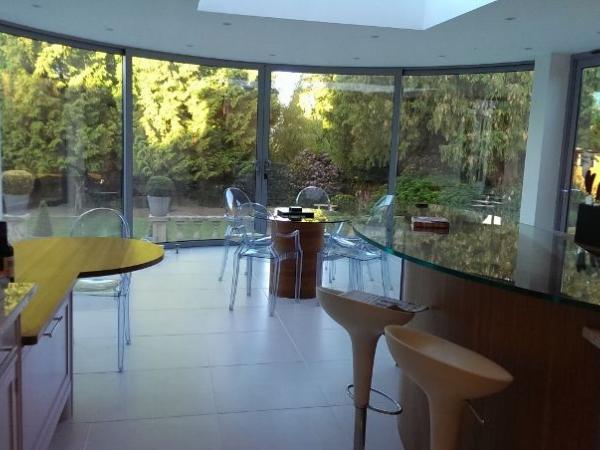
46,381
9,423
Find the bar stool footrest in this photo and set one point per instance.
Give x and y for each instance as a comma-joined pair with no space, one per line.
389,412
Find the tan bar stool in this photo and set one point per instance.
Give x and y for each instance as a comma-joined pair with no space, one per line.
449,375
365,324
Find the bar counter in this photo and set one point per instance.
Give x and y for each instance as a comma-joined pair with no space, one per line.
528,299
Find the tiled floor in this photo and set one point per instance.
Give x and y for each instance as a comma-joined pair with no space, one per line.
198,376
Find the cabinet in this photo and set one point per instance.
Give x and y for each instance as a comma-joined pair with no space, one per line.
9,401
47,380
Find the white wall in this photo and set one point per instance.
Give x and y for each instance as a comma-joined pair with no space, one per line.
545,140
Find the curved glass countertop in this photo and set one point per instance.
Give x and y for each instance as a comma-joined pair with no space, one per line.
484,248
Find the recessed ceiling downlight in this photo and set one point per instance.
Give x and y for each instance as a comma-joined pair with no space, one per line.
414,14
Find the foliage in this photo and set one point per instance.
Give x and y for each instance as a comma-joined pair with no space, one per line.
346,203
43,226
313,169
160,186
17,182
411,190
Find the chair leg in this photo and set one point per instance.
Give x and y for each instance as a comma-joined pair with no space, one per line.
127,320
370,272
249,276
359,276
298,283
274,288
385,272
226,244
234,279
120,332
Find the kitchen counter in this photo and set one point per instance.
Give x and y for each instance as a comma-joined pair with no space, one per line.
13,299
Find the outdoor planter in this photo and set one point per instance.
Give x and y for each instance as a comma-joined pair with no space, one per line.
16,189
159,190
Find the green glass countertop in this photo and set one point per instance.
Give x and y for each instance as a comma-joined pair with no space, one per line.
491,250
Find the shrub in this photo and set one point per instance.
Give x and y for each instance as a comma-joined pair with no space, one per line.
160,186
17,182
346,203
314,169
411,190
43,226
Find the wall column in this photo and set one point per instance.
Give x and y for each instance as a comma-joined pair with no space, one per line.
541,178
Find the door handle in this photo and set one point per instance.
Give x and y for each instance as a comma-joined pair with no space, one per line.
56,321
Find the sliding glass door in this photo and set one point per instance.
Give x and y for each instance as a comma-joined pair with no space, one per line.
332,131
585,139
194,135
61,134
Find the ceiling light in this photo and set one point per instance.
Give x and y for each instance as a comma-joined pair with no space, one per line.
189,45
226,24
510,19
272,54
374,36
109,28
36,5
441,56
527,48
356,58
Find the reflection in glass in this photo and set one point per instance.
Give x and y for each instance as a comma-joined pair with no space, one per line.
463,140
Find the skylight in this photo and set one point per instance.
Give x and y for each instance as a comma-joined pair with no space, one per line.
407,14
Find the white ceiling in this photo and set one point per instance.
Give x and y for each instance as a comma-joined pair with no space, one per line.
411,15
482,36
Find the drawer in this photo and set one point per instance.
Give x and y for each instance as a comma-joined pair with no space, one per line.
46,380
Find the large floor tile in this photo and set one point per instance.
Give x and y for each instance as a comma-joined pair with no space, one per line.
145,352
322,344
265,386
294,429
217,298
70,436
196,321
177,433
382,430
252,347
143,394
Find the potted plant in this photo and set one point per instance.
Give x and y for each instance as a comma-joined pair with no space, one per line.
159,190
16,188
588,216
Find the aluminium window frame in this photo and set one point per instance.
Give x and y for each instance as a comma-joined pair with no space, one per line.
579,62
263,102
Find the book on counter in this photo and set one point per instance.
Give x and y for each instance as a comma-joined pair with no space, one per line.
432,224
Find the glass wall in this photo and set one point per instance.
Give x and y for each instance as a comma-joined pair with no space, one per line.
463,140
587,141
331,131
61,134
194,135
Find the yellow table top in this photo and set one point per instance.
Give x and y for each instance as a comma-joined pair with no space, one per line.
54,264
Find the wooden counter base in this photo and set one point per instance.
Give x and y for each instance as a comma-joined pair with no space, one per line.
311,241
554,402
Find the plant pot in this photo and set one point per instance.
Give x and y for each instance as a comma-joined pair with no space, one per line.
16,203
159,206
587,229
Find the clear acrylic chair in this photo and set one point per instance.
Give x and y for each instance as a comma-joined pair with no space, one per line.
359,252
253,216
234,198
311,196
107,222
